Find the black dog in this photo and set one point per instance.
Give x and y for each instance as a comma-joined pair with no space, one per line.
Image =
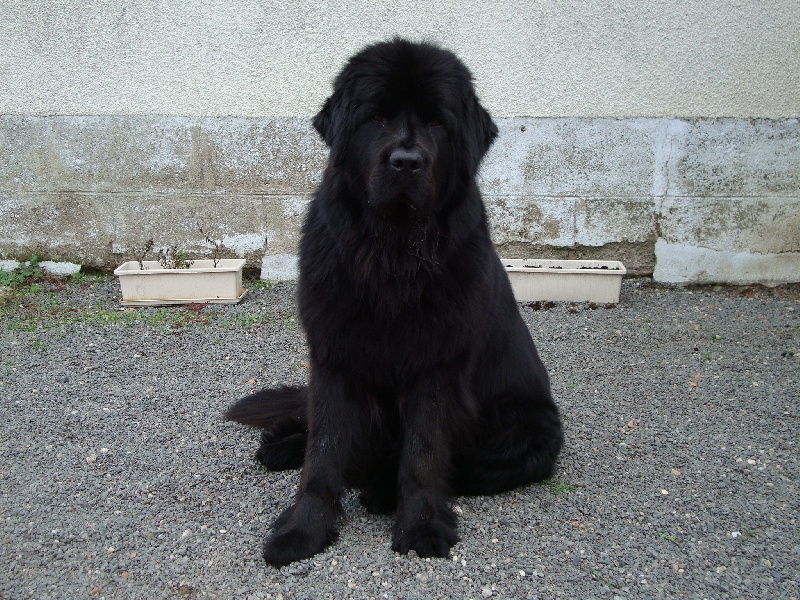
424,378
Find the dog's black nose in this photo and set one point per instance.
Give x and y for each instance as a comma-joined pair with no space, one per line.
402,159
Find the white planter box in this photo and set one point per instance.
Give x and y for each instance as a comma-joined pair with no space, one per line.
565,280
202,282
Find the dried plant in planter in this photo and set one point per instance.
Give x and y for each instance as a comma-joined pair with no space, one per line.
216,245
173,258
141,254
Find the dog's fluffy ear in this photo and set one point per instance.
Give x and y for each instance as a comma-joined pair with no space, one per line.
486,128
333,121
479,133
323,121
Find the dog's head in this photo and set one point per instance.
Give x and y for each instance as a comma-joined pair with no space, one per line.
405,125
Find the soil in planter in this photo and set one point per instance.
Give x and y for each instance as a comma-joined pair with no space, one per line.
600,268
541,305
572,307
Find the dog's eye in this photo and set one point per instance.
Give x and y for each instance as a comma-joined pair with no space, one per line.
435,123
378,118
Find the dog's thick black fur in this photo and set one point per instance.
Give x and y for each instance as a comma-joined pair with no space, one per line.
424,379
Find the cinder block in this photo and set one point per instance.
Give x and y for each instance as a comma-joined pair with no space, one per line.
279,267
284,221
738,225
136,153
59,226
571,157
520,219
679,263
735,158
176,218
601,221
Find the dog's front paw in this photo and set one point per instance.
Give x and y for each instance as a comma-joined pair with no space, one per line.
284,547
294,539
291,543
426,538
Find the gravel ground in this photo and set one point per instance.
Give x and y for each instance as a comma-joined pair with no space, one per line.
679,479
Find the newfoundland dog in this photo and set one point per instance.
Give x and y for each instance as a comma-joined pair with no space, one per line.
424,379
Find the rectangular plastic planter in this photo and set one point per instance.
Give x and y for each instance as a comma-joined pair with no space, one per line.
565,280
202,282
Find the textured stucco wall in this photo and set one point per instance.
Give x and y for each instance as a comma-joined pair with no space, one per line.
704,58
662,134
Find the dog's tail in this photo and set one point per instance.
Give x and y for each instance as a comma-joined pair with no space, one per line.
271,406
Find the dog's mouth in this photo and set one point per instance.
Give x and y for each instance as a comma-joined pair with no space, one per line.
398,200
399,208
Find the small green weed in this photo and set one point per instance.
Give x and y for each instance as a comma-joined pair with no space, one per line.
26,324
246,321
602,578
557,487
25,273
261,284
105,315
747,534
80,278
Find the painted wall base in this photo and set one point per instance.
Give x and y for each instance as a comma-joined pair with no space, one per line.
91,190
676,263
279,267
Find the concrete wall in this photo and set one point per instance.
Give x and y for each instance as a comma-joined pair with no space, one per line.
663,134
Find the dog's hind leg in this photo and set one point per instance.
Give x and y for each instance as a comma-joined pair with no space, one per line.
282,447
510,452
282,414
